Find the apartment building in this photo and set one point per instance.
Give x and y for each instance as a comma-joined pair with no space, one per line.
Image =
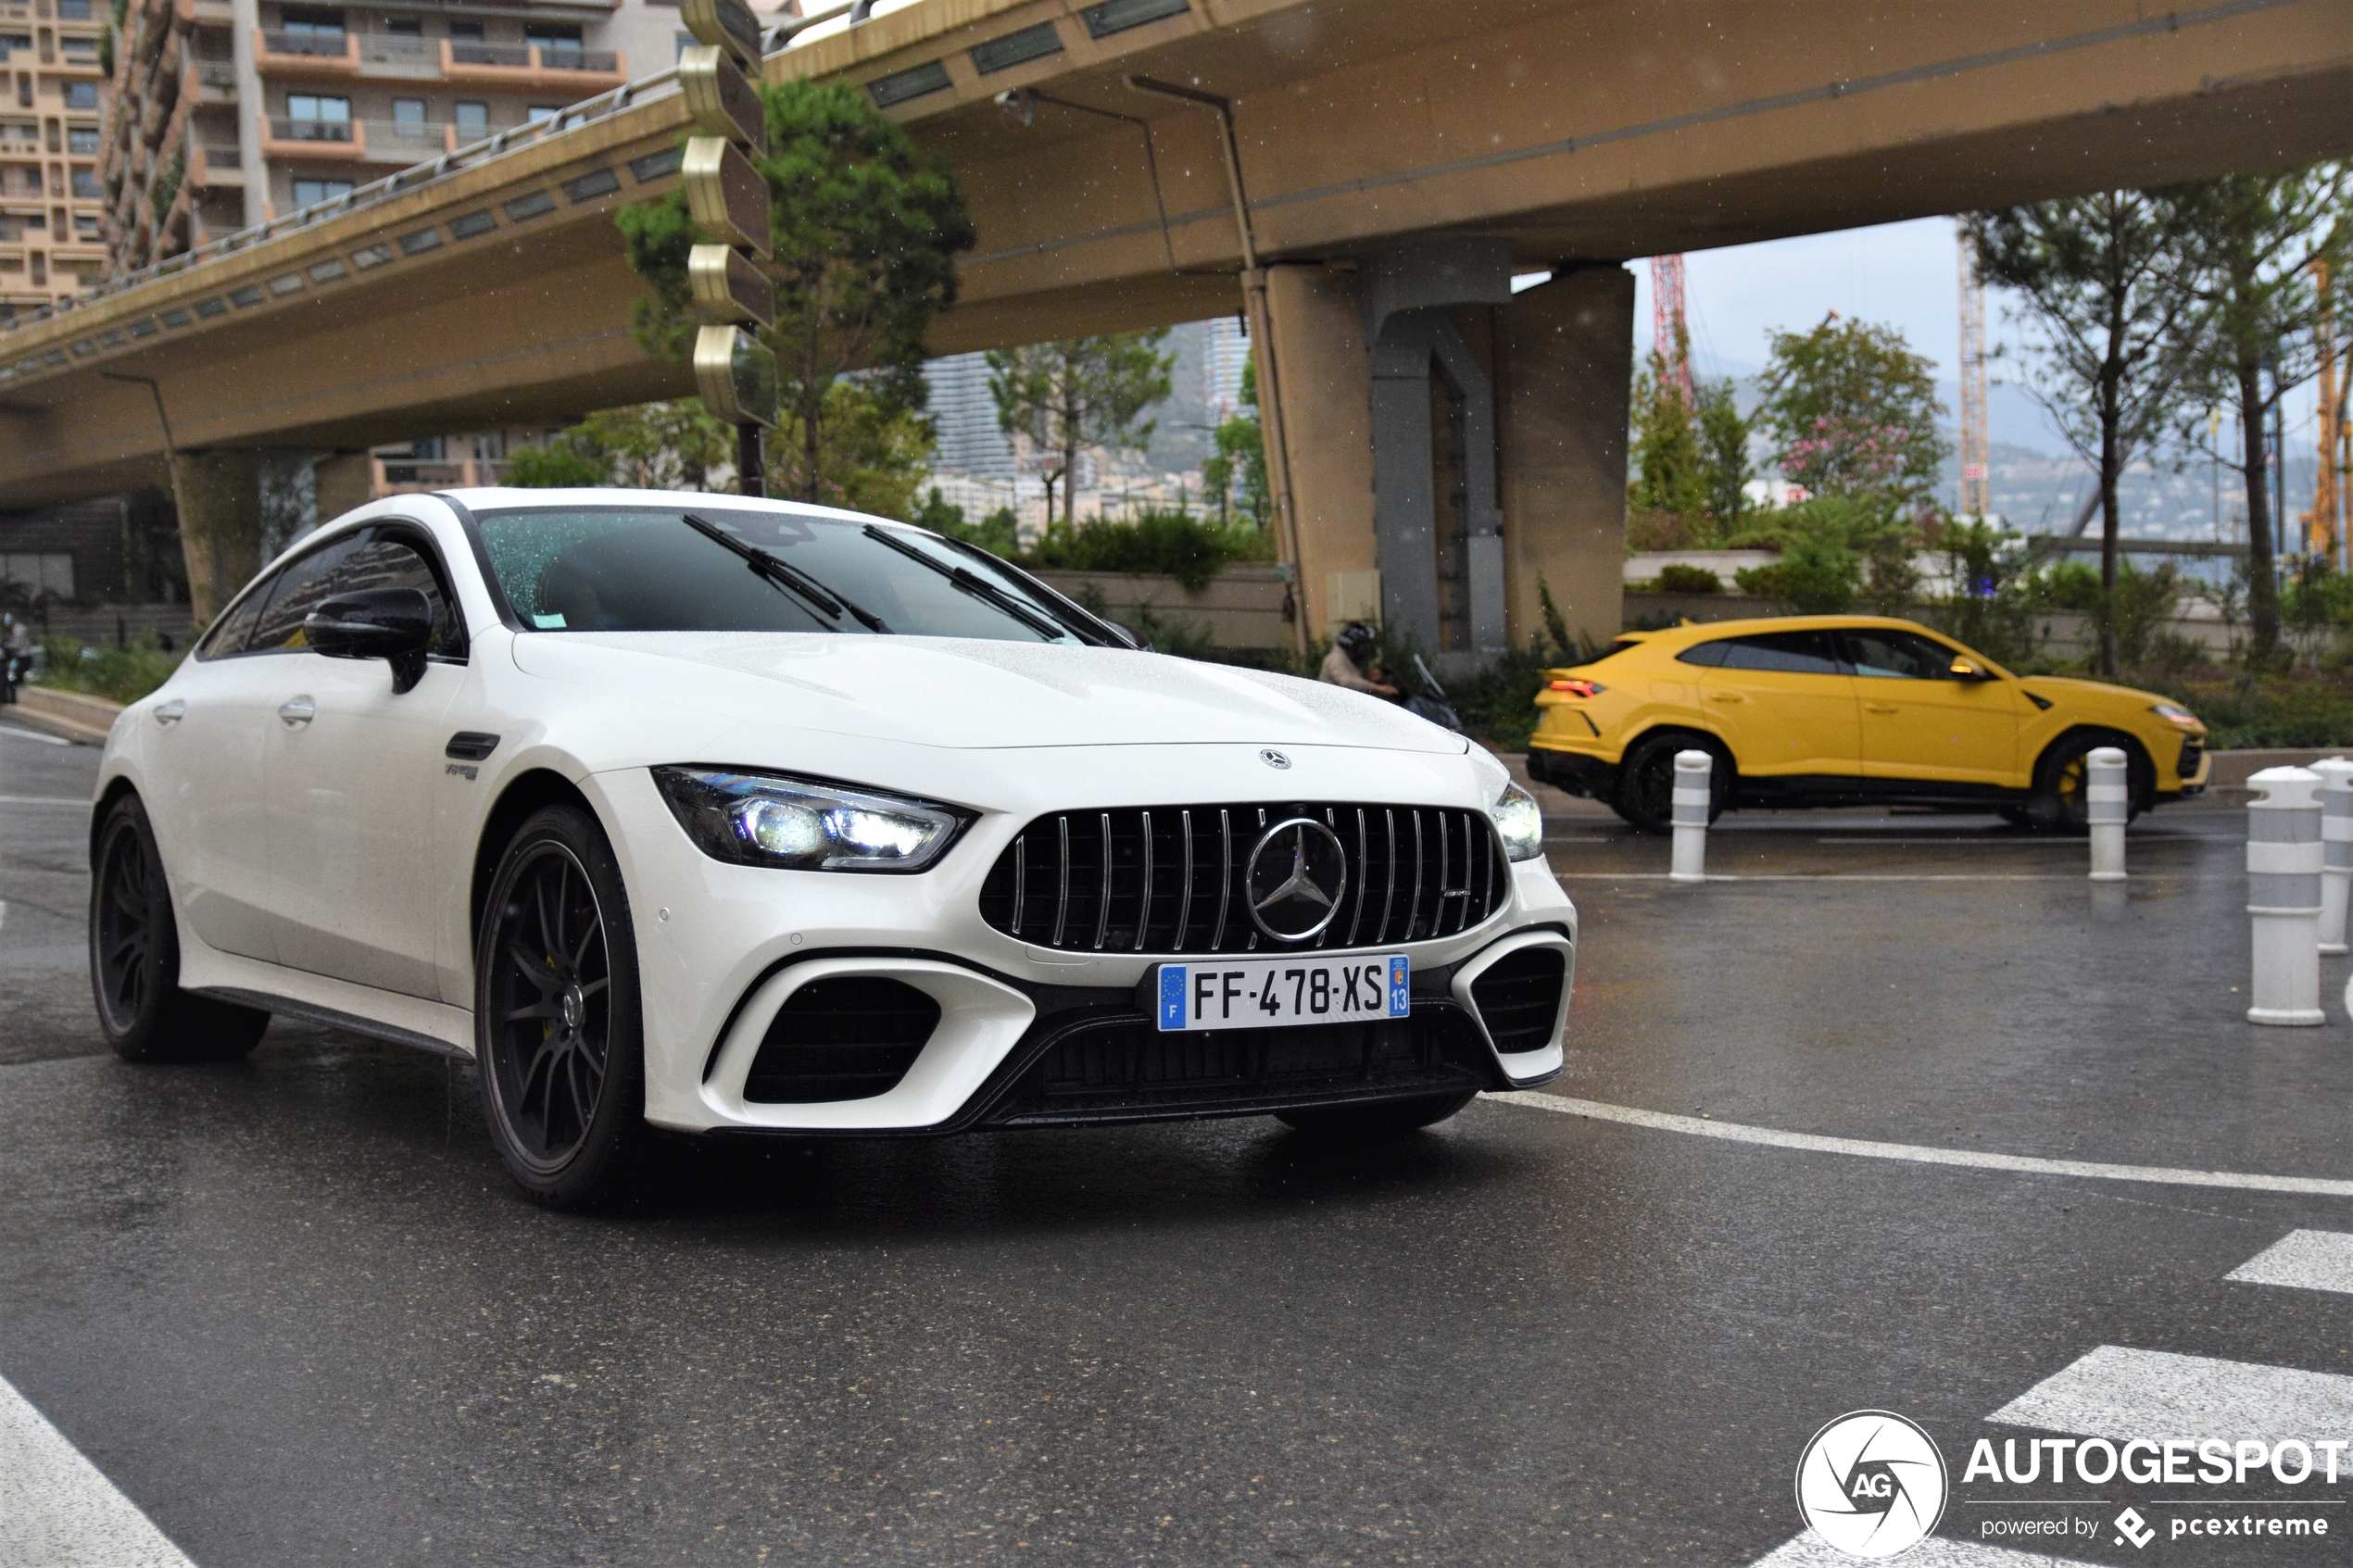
228,113
52,240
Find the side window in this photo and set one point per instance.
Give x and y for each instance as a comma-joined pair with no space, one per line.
394,563
233,630
1708,653
300,587
1898,656
1790,653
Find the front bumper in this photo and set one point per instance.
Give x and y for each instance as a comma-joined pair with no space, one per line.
1026,1035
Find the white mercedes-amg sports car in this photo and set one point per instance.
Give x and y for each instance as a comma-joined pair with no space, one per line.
729,816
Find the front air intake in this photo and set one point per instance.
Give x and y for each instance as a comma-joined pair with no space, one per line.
1519,997
849,1037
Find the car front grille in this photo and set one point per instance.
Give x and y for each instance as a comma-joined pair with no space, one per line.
1519,995
1170,879
2192,753
1122,1067
845,1038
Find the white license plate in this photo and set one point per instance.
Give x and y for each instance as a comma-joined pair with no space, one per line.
1270,993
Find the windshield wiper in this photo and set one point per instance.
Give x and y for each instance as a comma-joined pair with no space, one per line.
784,574
978,586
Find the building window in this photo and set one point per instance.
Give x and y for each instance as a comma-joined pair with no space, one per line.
310,193
552,35
79,94
79,51
473,119
405,27
428,450
316,106
408,111
81,138
304,20
85,226
538,112
466,31
73,10
85,185
13,41
39,269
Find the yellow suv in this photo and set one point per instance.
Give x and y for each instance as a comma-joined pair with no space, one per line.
1843,710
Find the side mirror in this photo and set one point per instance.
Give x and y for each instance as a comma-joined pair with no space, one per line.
1967,670
388,623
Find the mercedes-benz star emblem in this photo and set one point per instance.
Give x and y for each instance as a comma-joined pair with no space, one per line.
1295,878
1273,758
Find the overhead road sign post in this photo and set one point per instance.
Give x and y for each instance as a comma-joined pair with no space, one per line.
728,198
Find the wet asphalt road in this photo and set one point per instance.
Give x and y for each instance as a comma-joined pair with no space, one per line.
293,1310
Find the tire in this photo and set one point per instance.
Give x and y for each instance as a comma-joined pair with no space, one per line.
2062,779
2016,816
1380,1119
1646,779
559,1035
135,956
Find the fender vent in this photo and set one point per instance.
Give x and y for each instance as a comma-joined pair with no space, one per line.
1519,997
846,1038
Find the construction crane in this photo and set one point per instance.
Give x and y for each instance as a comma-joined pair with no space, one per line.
1670,336
1976,445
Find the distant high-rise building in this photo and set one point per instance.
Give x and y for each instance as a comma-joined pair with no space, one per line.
965,415
1228,353
51,241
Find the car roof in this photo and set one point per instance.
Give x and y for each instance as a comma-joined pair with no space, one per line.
1685,636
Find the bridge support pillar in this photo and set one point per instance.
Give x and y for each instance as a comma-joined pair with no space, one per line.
221,524
1454,446
340,482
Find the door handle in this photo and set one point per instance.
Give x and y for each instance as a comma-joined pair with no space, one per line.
294,712
170,712
1726,696
1880,708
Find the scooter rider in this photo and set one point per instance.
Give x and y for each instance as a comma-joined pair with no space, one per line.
1349,664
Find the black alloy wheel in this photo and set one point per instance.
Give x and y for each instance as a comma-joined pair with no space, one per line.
135,956
557,1025
1379,1119
1646,780
2062,801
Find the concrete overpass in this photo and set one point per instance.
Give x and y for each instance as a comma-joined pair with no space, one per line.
1399,163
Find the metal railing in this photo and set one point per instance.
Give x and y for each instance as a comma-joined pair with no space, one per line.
662,84
284,129
330,44
469,52
406,140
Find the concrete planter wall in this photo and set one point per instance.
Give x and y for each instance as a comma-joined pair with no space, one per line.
1242,606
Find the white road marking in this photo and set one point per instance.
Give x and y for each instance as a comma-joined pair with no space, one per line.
11,730
1735,1132
43,800
1837,876
56,1510
2122,1391
1809,1550
2305,1259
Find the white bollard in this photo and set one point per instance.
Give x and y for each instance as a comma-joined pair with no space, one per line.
2106,805
1691,816
2284,859
2336,839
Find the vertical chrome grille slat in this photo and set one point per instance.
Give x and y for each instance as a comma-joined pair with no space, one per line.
1438,911
1062,900
1389,895
1021,878
1185,900
1363,882
1225,874
1102,900
1144,909
1413,906
1487,886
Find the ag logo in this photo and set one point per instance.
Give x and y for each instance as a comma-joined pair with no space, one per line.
1871,1483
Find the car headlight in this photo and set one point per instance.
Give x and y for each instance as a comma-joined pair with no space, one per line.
1519,821
2175,712
762,820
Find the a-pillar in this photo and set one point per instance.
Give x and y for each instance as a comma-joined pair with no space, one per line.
342,480
1542,381
221,525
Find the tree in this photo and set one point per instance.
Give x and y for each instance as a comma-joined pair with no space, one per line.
1854,412
870,454
672,445
1723,450
1690,456
1080,393
866,227
2116,328
2252,270
1237,474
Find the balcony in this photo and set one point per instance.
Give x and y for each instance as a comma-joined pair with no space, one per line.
314,141
305,57
533,68
398,54
405,141
211,82
205,13
216,169
399,476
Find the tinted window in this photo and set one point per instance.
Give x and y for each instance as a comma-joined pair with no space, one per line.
1790,653
1709,654
1898,654
298,591
390,563
230,633
597,568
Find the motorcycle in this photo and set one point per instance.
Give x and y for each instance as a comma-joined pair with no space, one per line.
1431,702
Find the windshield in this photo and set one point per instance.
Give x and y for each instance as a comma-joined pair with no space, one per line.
646,569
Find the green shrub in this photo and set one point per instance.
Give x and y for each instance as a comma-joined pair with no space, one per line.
117,674
1677,578
1152,544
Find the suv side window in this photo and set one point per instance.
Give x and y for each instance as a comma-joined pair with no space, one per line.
1899,656
1790,653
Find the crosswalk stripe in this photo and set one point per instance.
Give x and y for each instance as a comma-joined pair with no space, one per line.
2305,1259
2120,1391
56,1510
1809,1550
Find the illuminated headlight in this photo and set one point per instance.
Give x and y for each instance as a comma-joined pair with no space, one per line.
2175,712
1519,821
760,819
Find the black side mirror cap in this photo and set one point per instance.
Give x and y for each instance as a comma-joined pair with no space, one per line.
387,623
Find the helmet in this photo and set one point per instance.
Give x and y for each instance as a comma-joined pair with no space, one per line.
1355,640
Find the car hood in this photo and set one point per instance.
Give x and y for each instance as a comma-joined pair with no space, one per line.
963,692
